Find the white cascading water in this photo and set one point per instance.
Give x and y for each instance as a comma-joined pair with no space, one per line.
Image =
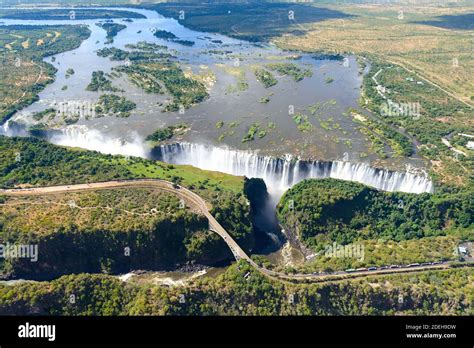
5,128
279,173
91,139
282,173
13,129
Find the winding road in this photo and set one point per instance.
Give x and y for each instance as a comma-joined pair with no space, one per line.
195,201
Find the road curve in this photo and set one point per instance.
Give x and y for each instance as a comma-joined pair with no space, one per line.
162,185
198,202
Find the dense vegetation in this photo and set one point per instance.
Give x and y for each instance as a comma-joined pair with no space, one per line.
169,36
166,133
161,134
29,161
70,72
328,56
146,46
111,104
446,292
110,231
43,164
143,54
265,77
440,116
382,135
152,70
50,112
252,21
291,69
323,212
252,131
100,82
381,252
184,90
302,122
112,29
141,79
164,34
329,210
65,14
184,42
68,37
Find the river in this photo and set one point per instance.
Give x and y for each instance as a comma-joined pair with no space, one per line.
283,157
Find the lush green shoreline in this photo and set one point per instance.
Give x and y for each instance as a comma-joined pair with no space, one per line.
66,14
324,211
33,162
49,40
447,292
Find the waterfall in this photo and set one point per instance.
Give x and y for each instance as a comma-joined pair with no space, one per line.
13,129
279,173
91,139
282,173
5,128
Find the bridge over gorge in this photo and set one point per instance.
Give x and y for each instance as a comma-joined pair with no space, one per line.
195,201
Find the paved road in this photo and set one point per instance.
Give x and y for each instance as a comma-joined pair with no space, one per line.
197,202
162,185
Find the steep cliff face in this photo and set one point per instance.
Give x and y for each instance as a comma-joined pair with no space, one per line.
280,174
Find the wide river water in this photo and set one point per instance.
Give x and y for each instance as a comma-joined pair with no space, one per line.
334,147
334,135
